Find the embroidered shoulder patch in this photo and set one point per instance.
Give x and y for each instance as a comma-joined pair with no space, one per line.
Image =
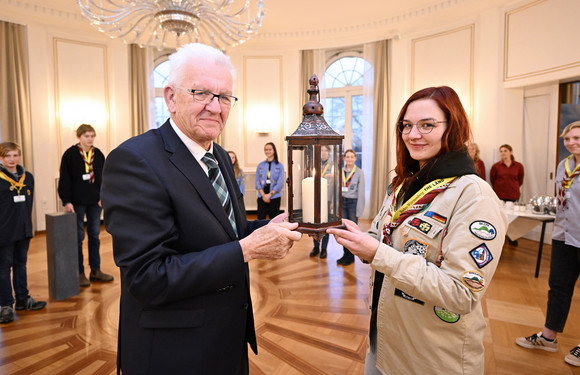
422,225
435,216
446,315
473,280
483,229
412,246
481,255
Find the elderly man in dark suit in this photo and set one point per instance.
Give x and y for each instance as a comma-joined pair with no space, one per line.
180,234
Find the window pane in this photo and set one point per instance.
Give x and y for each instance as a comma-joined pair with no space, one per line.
345,71
161,75
161,111
356,127
334,113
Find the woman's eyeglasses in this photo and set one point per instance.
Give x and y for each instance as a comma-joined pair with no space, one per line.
425,126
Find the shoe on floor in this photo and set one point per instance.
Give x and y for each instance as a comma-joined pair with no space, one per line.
6,314
339,261
83,281
347,261
314,251
30,304
322,253
574,357
513,243
536,341
100,276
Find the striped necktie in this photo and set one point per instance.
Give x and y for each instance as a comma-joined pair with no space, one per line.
219,184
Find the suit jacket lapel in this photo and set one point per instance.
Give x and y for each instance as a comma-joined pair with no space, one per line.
181,157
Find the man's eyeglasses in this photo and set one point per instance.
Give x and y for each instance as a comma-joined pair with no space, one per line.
205,97
424,126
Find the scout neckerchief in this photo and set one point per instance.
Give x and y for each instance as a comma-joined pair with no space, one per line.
326,165
13,184
415,204
88,158
567,181
346,180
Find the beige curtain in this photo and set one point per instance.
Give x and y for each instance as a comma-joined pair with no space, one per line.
15,124
381,128
140,71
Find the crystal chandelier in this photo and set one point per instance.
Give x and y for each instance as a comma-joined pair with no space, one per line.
172,23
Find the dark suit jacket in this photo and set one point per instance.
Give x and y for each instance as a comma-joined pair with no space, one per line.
185,297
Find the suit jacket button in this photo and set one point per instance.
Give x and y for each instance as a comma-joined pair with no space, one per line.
245,305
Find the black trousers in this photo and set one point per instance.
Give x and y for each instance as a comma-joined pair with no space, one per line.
272,209
564,272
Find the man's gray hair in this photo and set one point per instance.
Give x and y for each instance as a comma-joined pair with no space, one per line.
196,53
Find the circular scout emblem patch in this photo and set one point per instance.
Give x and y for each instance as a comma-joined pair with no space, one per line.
473,280
446,315
483,230
412,246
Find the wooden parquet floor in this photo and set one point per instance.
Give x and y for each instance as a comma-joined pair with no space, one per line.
311,318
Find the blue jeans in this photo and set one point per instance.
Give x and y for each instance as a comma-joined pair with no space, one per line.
13,256
349,209
564,272
93,213
349,212
324,242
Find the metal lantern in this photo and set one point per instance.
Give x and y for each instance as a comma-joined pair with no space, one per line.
315,170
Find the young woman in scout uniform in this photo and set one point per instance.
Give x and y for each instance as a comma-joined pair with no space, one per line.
269,183
433,247
565,262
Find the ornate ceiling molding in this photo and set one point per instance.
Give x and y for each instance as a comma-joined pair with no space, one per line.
393,21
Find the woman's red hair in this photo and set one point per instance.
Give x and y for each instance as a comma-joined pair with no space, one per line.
455,137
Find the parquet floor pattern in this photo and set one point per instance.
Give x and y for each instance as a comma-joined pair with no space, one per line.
311,318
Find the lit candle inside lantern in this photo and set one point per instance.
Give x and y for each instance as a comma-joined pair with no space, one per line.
308,200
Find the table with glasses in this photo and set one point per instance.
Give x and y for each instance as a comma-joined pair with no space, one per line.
521,222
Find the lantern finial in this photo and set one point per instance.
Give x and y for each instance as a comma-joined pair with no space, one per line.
313,122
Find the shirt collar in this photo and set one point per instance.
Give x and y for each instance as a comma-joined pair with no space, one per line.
196,150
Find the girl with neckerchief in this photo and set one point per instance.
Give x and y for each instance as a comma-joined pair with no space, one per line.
353,197
16,196
565,261
433,247
269,183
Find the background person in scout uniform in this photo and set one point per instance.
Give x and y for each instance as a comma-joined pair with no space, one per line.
326,171
16,195
565,262
239,172
79,188
434,246
269,183
353,197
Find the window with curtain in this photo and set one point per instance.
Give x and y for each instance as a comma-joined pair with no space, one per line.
343,102
160,78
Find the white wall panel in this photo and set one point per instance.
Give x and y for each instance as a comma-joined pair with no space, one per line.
81,91
263,104
445,59
539,38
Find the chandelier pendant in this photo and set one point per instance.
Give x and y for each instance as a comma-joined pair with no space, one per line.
172,23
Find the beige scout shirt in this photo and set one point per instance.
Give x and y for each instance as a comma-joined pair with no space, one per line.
442,260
